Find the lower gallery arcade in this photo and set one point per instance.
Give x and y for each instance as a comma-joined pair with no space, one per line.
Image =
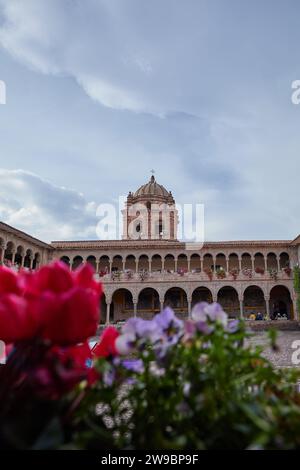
123,303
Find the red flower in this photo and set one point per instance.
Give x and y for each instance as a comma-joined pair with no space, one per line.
53,303
71,317
9,281
16,321
107,345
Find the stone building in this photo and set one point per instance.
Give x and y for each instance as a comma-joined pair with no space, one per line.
143,273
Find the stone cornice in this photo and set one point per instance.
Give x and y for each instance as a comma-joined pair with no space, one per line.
160,244
23,235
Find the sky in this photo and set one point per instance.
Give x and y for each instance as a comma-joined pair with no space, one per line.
100,92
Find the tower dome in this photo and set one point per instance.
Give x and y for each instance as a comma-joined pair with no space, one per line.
152,191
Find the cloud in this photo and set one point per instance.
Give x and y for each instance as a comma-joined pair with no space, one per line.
44,210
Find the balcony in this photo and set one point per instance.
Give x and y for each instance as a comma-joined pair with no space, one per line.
182,276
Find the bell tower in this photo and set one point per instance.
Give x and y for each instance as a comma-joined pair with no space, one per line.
150,213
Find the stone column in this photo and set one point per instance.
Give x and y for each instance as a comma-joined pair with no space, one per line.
227,264
296,314
267,300
252,263
241,308
2,254
189,264
189,308
161,305
30,262
265,263
107,313
162,264
13,256
175,264
240,263
150,265
110,266
97,267
277,263
136,265
123,264
134,308
201,264
214,264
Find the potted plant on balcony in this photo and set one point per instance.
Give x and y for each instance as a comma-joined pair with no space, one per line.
273,274
259,270
247,272
115,275
143,274
129,274
221,274
209,273
234,273
287,270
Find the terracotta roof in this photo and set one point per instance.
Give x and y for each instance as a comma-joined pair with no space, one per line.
163,244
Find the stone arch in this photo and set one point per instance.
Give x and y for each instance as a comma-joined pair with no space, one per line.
130,262
169,262
28,258
65,259
208,262
148,302
19,255
104,265
156,263
281,304
121,305
233,263
195,263
259,263
284,260
182,263
143,263
201,294
9,251
229,299
117,263
272,261
254,301
221,262
91,259
77,261
176,298
36,260
246,261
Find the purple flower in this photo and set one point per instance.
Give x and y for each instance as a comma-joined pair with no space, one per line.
204,312
233,326
204,327
134,365
168,322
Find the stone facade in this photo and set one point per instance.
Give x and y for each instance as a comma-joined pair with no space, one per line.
140,276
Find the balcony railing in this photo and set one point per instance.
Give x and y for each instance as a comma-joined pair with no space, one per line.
142,276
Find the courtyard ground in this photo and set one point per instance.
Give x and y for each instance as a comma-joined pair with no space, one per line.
285,340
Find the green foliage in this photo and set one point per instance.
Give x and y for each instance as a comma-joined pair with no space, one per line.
208,392
297,286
